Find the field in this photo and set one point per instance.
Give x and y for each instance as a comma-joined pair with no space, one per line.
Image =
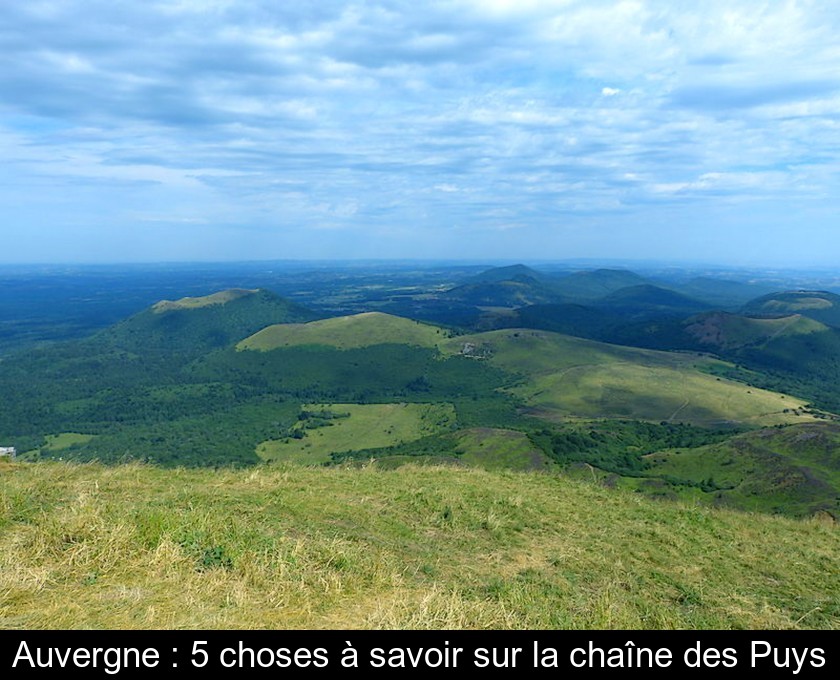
346,332
570,377
353,427
640,392
61,442
497,449
89,546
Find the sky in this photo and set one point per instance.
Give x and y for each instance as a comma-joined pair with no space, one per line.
211,130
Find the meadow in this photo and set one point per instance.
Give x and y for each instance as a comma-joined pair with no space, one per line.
134,546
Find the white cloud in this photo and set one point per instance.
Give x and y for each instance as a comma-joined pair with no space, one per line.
423,114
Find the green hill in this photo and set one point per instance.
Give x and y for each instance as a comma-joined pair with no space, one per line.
197,324
504,287
815,304
346,332
514,293
722,293
515,272
220,298
795,470
126,547
569,319
566,377
646,300
591,285
722,331
790,353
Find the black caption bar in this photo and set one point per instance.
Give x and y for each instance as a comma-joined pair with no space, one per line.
151,654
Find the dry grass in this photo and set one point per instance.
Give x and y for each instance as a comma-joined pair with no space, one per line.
87,546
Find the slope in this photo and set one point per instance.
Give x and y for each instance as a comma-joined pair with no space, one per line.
86,546
646,300
721,331
195,325
566,377
515,272
514,293
815,304
591,285
132,385
795,470
722,293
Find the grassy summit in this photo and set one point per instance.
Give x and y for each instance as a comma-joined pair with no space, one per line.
88,546
346,332
219,298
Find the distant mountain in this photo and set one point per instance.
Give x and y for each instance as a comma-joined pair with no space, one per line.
567,318
615,317
502,294
514,272
197,324
591,285
722,293
819,305
646,300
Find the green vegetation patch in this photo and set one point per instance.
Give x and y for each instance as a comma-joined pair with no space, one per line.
347,332
498,449
323,429
799,304
54,444
565,377
793,470
58,442
655,394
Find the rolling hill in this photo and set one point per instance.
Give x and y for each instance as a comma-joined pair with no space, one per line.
815,304
566,377
722,293
795,470
510,287
197,324
647,301
511,294
346,332
725,332
515,272
592,285
378,386
570,319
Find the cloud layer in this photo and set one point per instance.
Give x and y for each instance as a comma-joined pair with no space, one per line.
198,129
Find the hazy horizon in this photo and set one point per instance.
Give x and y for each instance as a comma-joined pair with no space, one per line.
498,131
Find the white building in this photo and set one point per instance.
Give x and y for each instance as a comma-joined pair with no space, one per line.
9,451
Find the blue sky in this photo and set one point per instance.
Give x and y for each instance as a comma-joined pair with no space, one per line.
487,129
